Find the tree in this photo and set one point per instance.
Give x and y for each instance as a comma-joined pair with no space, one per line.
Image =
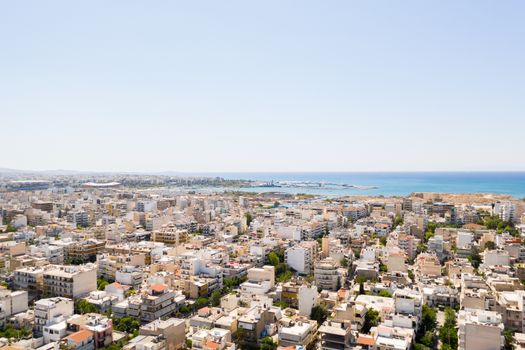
10,228
185,310
201,302
448,333
10,332
215,298
319,314
383,268
431,226
428,235
475,258
509,339
361,288
382,240
344,262
384,293
84,307
273,259
126,324
101,284
419,346
427,340
398,220
372,319
267,343
490,245
411,275
428,319
189,343
233,282
249,219
281,304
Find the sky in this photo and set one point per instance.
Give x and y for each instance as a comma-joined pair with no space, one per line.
248,86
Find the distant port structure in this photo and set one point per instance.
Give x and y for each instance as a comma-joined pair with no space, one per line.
101,184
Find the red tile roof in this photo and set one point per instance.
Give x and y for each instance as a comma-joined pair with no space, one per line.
80,336
158,287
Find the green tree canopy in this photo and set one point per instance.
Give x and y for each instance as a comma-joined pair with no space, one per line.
372,319
319,314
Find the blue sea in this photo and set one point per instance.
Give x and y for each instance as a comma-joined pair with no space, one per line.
389,183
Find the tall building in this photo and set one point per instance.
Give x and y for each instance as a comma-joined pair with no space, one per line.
326,275
302,257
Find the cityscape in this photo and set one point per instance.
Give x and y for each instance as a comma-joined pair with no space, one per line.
121,261
262,175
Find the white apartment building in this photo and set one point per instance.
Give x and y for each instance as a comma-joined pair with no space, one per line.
12,303
480,330
302,257
51,311
300,333
464,239
506,211
146,206
53,253
260,280
408,302
129,276
307,298
496,257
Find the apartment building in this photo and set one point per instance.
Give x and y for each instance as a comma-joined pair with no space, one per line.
302,257
480,330
172,329
428,265
260,280
170,236
70,281
50,311
147,342
53,253
407,243
85,251
307,299
109,264
30,279
326,275
301,332
335,336
254,322
12,303
130,276
157,302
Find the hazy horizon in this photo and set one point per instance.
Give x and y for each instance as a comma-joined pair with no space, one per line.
262,87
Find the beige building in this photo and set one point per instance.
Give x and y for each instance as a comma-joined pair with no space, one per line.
326,275
428,265
70,281
173,329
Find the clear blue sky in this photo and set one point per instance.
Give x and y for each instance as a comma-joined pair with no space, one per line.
262,85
